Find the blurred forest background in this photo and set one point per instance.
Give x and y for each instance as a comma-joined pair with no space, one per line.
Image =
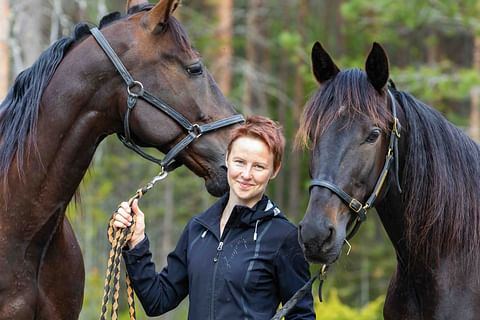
259,53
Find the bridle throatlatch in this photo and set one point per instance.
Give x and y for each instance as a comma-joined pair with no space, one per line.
355,206
119,238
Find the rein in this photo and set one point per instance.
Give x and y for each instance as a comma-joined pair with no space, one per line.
119,238
354,205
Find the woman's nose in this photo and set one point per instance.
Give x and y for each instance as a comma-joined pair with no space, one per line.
247,172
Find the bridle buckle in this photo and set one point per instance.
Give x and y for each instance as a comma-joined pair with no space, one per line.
355,205
196,131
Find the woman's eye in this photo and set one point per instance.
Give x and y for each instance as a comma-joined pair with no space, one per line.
194,69
373,136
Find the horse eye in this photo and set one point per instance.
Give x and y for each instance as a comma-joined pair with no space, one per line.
195,69
373,136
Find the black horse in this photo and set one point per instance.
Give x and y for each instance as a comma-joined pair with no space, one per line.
372,145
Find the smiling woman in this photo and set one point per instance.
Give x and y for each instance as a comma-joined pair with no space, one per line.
240,258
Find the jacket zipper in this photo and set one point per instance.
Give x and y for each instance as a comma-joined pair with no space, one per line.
215,267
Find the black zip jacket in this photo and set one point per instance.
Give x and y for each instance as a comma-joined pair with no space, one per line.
245,274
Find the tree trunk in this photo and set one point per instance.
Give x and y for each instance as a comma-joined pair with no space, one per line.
4,49
299,100
279,181
31,30
222,68
167,234
475,93
169,213
254,98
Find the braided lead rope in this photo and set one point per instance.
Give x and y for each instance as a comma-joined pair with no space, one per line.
118,239
130,297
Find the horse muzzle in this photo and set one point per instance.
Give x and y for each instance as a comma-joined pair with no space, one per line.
319,240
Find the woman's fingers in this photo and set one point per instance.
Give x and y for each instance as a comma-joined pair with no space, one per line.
121,221
122,216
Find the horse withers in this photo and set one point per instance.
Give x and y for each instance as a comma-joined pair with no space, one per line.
153,91
372,145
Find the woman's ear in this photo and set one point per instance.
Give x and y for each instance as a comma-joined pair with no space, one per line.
226,159
276,172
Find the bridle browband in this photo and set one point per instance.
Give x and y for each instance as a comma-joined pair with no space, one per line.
136,90
355,205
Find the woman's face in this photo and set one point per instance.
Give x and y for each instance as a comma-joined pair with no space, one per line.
250,167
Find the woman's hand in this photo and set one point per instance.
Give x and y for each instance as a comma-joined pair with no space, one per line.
124,219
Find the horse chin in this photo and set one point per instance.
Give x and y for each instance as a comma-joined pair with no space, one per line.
217,184
318,255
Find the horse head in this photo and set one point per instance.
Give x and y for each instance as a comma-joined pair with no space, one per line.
347,125
156,51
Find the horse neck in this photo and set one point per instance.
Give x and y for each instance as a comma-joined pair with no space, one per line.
76,113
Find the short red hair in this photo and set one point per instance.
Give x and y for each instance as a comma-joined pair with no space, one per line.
265,129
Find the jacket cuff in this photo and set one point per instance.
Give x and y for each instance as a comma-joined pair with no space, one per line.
142,248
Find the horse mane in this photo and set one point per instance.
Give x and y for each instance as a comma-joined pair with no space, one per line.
440,183
19,110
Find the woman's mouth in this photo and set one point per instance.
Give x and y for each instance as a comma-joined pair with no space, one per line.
244,185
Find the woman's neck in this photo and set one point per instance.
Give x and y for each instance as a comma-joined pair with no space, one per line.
232,202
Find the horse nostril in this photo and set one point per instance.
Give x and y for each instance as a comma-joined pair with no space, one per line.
331,235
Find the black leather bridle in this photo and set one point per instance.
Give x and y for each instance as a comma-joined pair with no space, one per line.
136,90
355,205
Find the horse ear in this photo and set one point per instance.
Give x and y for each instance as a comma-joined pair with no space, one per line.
159,14
133,3
323,66
376,67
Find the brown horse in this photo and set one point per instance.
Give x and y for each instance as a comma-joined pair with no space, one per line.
372,145
56,114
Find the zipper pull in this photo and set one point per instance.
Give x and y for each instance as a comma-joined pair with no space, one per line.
219,249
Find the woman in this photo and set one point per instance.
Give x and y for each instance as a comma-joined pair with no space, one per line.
237,260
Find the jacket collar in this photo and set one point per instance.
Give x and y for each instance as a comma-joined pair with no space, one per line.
242,216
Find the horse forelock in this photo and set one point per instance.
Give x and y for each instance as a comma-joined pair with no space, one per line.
440,183
179,35
349,95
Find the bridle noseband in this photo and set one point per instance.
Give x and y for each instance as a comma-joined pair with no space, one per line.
355,205
136,90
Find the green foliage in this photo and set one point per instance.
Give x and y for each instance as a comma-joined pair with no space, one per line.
333,309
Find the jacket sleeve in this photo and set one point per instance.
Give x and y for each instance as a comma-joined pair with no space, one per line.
292,273
158,292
